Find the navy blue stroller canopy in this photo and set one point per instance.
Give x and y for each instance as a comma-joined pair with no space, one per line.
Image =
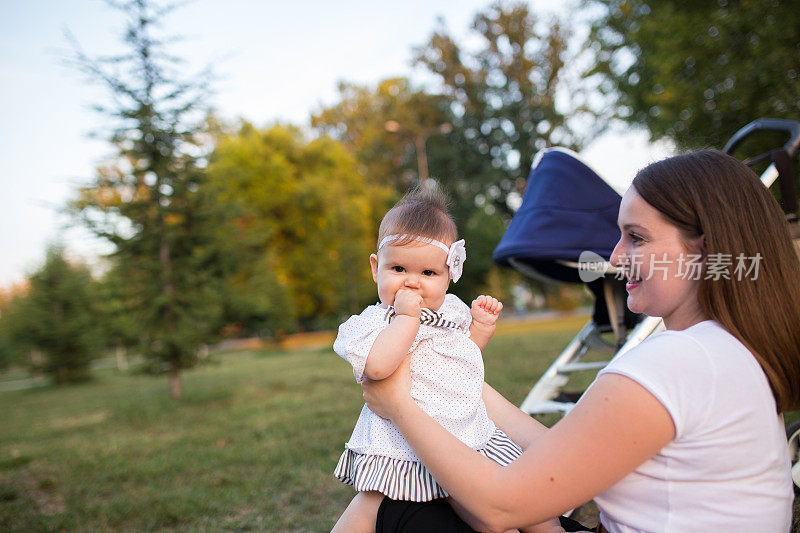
566,209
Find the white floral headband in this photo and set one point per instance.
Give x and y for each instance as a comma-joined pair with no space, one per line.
456,252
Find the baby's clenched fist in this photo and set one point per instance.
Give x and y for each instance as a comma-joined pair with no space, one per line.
408,302
486,310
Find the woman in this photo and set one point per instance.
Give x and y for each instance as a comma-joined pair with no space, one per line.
683,432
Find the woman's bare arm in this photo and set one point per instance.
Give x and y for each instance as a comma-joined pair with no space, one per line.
515,423
615,427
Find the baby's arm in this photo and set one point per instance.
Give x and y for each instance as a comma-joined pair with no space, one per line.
485,312
394,342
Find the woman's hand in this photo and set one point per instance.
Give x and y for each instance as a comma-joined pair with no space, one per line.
386,396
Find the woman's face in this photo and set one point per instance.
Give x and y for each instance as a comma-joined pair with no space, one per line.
662,274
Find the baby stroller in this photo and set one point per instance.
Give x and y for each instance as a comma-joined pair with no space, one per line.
565,231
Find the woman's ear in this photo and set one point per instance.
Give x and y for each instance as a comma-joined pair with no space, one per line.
701,244
373,263
698,248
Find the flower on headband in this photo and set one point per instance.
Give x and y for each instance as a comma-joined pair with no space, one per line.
455,259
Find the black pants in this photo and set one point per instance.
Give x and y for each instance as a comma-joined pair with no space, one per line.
435,517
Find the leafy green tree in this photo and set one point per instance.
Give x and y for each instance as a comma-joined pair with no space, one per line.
504,93
10,350
389,129
149,201
696,72
57,319
7,348
301,217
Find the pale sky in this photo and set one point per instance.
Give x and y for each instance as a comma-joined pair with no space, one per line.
275,60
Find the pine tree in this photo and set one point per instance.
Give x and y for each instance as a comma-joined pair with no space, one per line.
55,319
148,202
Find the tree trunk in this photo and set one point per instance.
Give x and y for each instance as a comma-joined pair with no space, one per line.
174,381
422,159
122,359
169,326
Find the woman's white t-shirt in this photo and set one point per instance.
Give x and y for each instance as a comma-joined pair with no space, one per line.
728,467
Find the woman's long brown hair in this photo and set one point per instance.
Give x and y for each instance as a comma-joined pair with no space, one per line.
712,194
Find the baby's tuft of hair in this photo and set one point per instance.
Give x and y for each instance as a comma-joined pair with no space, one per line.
421,212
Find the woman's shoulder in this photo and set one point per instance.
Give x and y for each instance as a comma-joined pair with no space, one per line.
673,352
707,337
694,357
703,336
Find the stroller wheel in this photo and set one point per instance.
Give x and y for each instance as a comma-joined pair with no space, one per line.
793,435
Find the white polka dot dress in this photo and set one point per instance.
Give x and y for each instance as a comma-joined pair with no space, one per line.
446,382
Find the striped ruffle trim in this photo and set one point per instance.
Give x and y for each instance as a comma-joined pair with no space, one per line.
409,480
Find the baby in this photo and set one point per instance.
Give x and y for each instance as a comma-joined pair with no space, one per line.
417,256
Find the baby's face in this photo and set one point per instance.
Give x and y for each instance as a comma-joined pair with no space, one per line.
417,266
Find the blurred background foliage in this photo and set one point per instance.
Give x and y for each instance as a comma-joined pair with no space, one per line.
696,72
228,229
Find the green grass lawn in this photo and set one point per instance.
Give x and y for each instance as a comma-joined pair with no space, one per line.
251,446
